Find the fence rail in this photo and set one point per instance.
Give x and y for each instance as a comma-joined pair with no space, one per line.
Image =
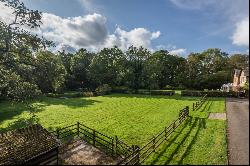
199,103
139,155
131,155
111,145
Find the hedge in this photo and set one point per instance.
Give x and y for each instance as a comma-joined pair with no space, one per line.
209,93
156,92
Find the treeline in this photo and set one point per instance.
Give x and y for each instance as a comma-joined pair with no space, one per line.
137,68
27,70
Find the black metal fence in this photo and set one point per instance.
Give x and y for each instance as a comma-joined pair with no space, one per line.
199,103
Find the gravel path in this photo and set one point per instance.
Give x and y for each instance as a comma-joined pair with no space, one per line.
78,152
238,131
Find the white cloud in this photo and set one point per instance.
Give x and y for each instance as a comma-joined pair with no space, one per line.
89,31
192,4
77,32
6,14
90,6
179,51
232,13
136,37
241,34
173,49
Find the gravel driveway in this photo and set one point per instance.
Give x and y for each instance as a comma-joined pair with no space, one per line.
238,131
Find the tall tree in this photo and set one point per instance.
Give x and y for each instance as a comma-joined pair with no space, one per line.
136,60
108,67
80,66
50,72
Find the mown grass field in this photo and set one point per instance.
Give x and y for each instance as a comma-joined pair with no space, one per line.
134,119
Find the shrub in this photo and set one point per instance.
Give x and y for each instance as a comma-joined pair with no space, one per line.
162,92
13,87
156,92
23,91
88,94
103,90
121,89
211,93
168,87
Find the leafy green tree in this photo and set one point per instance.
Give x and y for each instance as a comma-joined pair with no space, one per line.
50,72
13,36
239,61
166,69
108,67
80,66
17,43
135,67
12,86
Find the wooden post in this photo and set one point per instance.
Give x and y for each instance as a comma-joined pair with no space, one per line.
165,133
57,157
115,145
78,129
94,136
174,125
193,106
187,110
138,155
112,146
154,143
136,151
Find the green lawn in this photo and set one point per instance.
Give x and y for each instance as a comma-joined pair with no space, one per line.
134,119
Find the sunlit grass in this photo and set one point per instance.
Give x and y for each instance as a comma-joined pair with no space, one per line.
134,119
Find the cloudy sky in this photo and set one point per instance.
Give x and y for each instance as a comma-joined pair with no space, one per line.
180,26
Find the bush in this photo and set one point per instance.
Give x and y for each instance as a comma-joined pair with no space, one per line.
211,93
156,92
13,87
88,94
121,89
103,90
23,91
168,87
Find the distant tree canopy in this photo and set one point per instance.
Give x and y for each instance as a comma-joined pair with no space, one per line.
27,69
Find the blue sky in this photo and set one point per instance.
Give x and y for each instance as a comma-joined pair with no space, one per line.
181,26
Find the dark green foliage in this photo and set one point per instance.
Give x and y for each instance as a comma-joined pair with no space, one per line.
22,58
103,90
157,92
212,93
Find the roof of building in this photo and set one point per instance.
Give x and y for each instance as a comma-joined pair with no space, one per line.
21,145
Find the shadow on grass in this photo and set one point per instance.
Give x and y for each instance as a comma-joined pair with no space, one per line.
10,110
191,123
20,123
206,107
69,102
